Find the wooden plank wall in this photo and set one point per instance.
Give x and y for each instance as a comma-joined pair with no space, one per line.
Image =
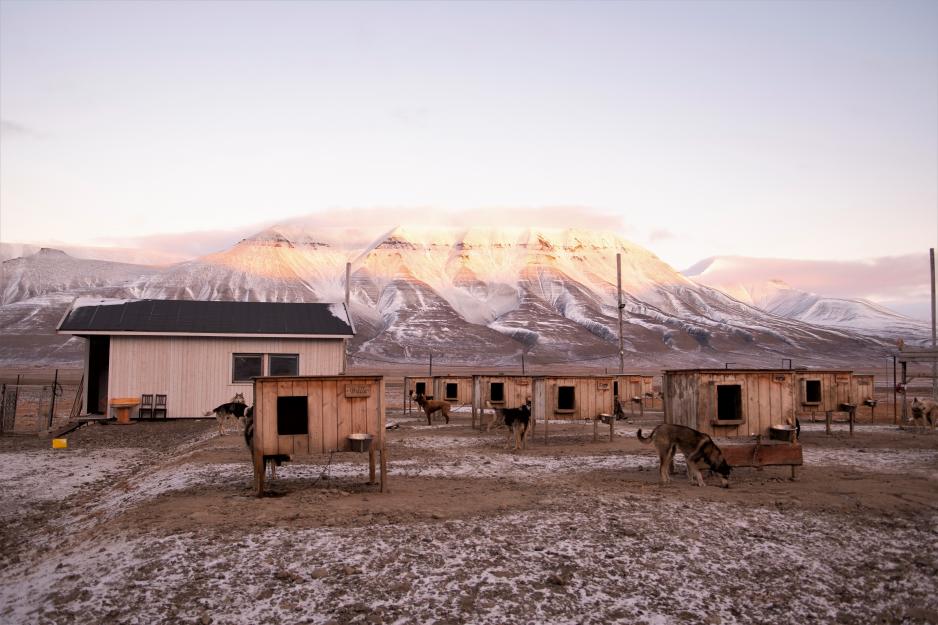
463,388
195,372
835,390
589,399
517,390
681,398
331,415
767,399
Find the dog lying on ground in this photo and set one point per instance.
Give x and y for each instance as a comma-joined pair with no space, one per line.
231,410
696,446
516,419
432,405
924,412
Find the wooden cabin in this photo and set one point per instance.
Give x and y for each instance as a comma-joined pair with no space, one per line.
196,355
299,416
822,391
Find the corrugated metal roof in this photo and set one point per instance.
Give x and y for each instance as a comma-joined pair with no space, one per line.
184,317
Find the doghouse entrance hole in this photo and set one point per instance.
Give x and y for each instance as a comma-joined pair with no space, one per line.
812,391
729,402
566,398
497,392
420,388
452,391
615,389
292,416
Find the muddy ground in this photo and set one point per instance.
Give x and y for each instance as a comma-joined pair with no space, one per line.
157,523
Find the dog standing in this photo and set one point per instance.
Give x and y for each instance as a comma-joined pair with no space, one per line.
432,405
234,409
516,419
696,446
924,412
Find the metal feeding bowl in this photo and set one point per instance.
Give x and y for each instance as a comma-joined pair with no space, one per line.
360,441
782,432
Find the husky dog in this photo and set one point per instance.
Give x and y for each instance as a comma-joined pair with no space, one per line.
231,410
924,412
516,419
696,446
431,405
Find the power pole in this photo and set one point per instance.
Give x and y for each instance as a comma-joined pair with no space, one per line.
934,363
620,307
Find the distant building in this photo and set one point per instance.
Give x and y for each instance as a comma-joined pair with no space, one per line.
200,354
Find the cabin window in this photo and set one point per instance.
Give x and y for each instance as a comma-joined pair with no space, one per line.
812,391
284,364
292,416
247,366
420,388
452,391
497,392
729,402
566,398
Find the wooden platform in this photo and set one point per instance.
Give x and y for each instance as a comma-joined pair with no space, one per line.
763,454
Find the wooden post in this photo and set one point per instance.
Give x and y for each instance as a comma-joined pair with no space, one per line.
595,429
828,418
476,401
852,415
934,331
793,474
905,394
641,407
384,469
371,464
612,427
259,470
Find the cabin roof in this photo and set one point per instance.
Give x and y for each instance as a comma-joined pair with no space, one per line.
204,318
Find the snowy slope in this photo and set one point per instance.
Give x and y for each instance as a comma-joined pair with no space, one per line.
489,295
777,297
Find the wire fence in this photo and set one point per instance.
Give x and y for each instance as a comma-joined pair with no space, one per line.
34,408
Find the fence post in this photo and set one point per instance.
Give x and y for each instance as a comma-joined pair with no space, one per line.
55,384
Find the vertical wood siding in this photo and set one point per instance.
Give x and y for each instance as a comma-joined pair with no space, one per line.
768,398
331,415
195,372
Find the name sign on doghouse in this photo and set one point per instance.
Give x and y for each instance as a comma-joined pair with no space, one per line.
357,390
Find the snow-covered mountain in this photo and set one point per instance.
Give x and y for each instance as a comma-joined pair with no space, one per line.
480,296
736,277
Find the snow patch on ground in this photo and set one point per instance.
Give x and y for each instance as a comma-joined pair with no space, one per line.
614,559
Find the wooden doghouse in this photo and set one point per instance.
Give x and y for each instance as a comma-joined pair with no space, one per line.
502,391
417,385
633,390
584,397
759,406
743,404
456,389
300,416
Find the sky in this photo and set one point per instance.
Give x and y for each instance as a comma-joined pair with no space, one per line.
804,130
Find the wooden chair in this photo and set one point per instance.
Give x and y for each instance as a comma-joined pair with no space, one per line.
159,407
146,406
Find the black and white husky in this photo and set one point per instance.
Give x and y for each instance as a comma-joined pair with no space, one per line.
232,410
